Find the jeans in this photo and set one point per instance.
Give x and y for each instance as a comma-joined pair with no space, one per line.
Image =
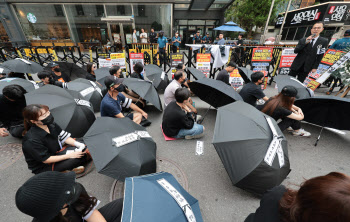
196,130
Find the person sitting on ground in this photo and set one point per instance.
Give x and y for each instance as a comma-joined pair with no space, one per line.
117,73
90,68
182,67
178,118
138,68
47,79
43,142
12,103
57,74
319,199
252,91
282,107
224,75
113,102
54,196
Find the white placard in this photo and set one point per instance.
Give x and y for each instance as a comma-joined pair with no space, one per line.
87,91
125,139
96,88
181,201
163,75
143,134
275,147
1,70
105,63
199,148
82,102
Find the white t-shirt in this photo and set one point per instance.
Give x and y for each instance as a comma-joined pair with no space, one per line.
143,37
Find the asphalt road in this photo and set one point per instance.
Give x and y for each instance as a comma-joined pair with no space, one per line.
207,179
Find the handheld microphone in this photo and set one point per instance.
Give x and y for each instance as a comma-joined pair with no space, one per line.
313,36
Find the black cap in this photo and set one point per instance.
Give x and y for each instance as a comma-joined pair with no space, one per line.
52,64
289,91
44,195
207,33
347,32
112,80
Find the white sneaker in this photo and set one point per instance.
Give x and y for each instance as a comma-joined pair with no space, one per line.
290,129
301,132
199,118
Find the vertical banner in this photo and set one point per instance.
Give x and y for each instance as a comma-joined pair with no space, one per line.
203,63
135,58
236,79
287,59
175,59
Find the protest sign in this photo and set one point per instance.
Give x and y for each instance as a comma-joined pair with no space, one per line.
203,63
175,59
135,58
331,56
334,67
262,54
287,59
236,79
118,59
105,63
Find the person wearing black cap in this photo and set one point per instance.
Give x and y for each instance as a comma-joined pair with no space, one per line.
206,39
57,74
197,39
282,107
46,79
44,140
343,43
162,47
57,197
176,42
113,102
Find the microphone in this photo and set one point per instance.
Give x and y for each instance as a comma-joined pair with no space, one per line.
313,36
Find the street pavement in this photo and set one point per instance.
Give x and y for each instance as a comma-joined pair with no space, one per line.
207,179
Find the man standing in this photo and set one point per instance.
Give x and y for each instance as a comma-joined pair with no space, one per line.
176,42
252,91
310,51
152,36
206,39
143,36
224,75
343,43
239,44
162,47
134,36
221,40
197,38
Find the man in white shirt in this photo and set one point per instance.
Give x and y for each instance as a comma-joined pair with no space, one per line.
143,36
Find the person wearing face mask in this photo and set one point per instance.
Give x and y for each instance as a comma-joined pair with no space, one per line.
252,91
44,140
90,68
176,42
113,102
179,119
12,103
162,47
46,79
57,73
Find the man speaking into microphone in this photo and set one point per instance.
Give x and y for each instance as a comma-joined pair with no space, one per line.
310,51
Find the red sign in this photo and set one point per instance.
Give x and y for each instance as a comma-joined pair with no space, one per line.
286,61
331,9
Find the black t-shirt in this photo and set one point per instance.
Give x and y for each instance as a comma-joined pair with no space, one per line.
63,78
239,42
136,75
269,206
38,145
91,77
11,112
224,76
251,93
279,113
152,37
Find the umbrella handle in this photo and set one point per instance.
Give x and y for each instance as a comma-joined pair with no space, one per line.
319,136
201,121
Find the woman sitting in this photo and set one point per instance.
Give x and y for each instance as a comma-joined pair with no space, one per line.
44,140
282,107
90,68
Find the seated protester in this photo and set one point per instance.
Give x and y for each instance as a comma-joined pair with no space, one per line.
113,102
224,75
12,103
57,197
282,107
138,68
182,67
90,68
252,91
46,78
117,73
43,141
178,118
57,74
319,199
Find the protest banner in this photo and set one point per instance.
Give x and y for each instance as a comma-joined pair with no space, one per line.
175,59
203,63
287,59
235,79
118,59
262,55
331,56
135,58
105,63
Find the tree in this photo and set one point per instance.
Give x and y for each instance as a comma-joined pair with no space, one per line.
252,13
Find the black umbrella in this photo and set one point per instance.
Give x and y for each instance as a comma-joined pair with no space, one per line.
4,70
215,93
27,85
71,112
89,90
326,111
197,74
144,89
245,73
284,80
157,76
22,66
243,138
101,73
71,69
121,148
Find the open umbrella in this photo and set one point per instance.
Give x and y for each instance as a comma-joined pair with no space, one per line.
22,66
230,26
101,74
326,111
144,89
27,85
214,92
251,146
157,76
4,70
121,148
303,92
158,197
89,90
71,69
71,112
245,73
197,74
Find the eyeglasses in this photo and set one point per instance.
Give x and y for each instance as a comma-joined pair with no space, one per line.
317,28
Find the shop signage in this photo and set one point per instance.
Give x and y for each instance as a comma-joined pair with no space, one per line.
31,18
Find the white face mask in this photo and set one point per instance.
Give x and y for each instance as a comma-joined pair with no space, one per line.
176,35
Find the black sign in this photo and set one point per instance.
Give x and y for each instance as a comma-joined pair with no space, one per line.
337,13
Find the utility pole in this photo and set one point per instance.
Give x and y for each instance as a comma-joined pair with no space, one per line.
279,37
262,38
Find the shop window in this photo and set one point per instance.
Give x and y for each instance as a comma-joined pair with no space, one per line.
284,33
300,33
100,11
80,10
59,10
291,33
121,9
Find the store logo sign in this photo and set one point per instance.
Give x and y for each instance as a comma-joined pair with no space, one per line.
31,18
310,15
338,13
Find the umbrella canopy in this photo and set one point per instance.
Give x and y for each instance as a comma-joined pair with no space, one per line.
89,90
215,93
245,73
121,148
101,74
326,111
27,85
197,74
243,138
71,69
157,76
144,89
22,66
158,197
71,112
230,26
303,92
4,70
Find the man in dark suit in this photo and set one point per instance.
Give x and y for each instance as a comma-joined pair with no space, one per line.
310,51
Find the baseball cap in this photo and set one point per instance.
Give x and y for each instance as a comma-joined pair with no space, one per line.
207,33
53,64
161,31
111,81
289,91
347,32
